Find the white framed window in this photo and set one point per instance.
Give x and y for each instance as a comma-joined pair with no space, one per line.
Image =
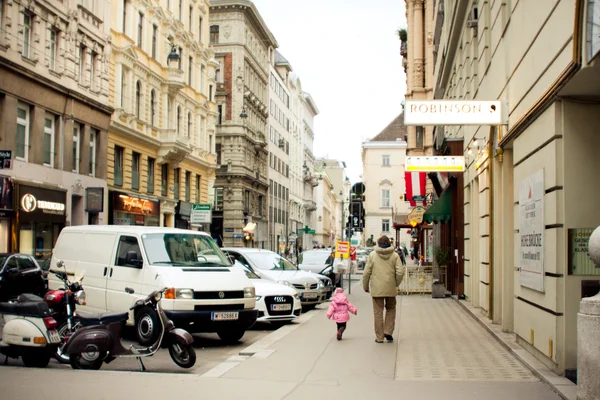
49,134
82,51
23,118
138,99
385,160
93,70
140,32
189,125
27,28
53,48
152,107
76,147
178,129
154,38
385,198
93,145
385,225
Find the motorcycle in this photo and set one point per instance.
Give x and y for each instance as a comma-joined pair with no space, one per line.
98,340
63,303
29,331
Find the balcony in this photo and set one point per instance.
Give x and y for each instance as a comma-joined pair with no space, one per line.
175,80
310,205
173,148
403,49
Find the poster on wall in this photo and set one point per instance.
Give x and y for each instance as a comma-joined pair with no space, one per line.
531,231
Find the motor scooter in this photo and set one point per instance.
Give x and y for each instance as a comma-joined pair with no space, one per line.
98,340
28,331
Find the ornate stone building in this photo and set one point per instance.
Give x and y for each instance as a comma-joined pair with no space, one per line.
244,49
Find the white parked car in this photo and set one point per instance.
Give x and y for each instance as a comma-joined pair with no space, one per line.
273,267
275,302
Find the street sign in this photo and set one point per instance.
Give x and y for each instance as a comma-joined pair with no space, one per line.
201,213
342,250
311,231
237,236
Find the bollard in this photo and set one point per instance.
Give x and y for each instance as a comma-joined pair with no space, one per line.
588,342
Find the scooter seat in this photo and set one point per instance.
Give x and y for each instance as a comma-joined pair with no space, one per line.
29,298
103,319
34,309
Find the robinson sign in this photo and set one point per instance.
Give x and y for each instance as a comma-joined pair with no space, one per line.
450,112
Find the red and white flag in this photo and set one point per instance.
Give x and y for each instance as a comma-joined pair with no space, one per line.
415,186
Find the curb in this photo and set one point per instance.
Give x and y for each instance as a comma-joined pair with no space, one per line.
562,386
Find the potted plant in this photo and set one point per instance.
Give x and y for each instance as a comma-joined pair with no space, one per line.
441,256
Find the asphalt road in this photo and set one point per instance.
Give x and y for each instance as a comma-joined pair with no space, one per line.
210,351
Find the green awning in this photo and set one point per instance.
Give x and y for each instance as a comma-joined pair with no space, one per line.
440,210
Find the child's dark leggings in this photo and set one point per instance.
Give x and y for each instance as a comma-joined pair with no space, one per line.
341,325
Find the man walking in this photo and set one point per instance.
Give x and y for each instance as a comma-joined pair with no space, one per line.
383,274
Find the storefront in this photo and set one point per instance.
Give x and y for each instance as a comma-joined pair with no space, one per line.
41,216
183,211
7,212
127,209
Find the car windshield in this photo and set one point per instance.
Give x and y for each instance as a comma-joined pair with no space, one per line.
315,257
270,261
181,249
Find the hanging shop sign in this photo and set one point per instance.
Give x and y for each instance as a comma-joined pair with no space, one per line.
531,231
451,112
5,159
39,204
201,213
416,215
435,164
94,199
135,205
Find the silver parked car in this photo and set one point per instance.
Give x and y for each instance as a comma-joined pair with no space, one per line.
319,261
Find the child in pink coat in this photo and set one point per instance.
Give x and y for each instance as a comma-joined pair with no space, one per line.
339,310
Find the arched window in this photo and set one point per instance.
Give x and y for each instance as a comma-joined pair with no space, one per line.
178,119
152,106
138,98
189,125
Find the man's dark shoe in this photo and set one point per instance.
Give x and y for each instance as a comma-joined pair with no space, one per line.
389,338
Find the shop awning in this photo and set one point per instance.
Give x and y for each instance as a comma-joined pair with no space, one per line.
441,210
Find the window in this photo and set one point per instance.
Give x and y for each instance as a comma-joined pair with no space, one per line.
189,125
202,75
220,114
49,131
23,115
152,106
88,4
200,29
210,143
210,90
123,86
246,201
140,33
82,50
385,198
260,205
53,48
218,206
93,70
180,10
164,179
190,16
125,16
214,34
385,160
135,171
76,147
178,119
198,177
188,178
385,225
154,34
129,254
151,175
190,64
176,179
180,58
118,166
138,98
27,28
419,141
218,75
94,133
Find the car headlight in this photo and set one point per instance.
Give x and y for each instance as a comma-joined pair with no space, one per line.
320,285
158,296
187,294
249,292
286,283
297,296
79,297
258,298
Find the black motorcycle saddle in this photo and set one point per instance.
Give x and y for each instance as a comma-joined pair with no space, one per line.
29,298
28,309
103,319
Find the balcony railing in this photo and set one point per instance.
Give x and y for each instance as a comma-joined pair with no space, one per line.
175,80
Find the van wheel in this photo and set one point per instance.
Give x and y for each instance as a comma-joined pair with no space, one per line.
231,336
147,326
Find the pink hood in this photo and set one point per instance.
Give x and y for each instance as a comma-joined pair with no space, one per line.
340,307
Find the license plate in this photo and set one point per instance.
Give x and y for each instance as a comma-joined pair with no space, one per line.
281,307
225,316
310,295
54,338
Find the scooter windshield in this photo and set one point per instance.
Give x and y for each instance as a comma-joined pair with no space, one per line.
179,249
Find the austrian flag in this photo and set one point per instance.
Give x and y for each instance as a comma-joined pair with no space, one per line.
415,186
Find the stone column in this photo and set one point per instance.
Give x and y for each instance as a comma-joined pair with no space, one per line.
588,343
418,45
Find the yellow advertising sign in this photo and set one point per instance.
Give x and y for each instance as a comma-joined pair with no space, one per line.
342,249
416,215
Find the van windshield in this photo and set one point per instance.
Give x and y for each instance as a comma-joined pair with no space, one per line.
181,249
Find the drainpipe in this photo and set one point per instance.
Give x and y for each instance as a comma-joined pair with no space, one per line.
491,225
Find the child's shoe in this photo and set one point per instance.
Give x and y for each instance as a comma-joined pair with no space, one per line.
339,334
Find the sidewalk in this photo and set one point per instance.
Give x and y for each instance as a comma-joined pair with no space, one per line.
439,352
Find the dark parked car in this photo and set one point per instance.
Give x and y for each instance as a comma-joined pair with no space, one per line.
20,273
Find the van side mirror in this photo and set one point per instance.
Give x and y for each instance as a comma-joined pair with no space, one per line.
132,258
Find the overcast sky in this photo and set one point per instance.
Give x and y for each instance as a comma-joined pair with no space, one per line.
347,56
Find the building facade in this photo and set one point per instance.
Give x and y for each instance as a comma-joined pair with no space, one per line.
383,159
528,202
161,147
54,120
308,112
244,49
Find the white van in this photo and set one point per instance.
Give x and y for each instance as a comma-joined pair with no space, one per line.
123,263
